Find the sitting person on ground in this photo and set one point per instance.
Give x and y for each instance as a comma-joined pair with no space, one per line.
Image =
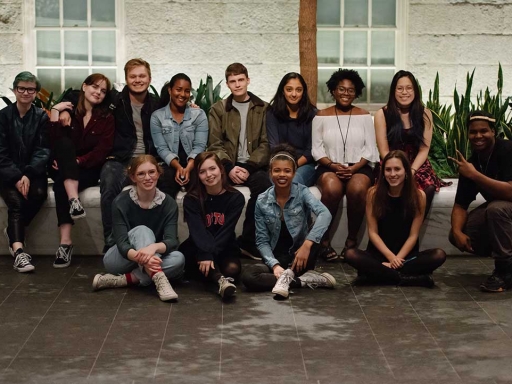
212,208
79,151
284,235
487,229
394,213
24,154
238,136
289,118
345,148
179,134
145,227
405,124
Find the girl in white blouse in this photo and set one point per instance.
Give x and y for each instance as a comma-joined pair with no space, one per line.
343,144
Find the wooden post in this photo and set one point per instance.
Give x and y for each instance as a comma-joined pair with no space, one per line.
307,46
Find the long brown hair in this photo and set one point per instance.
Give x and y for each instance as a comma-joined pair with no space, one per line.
410,193
90,80
197,189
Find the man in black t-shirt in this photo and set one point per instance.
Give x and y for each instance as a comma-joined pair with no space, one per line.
486,230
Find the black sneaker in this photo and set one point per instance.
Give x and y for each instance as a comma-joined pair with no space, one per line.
63,256
76,209
496,283
249,250
22,261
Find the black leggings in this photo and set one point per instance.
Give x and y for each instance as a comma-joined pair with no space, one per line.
261,278
21,211
226,264
430,191
370,264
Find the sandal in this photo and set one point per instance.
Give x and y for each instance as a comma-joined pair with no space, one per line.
328,253
344,250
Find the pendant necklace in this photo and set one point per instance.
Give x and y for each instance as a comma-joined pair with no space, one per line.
484,171
344,138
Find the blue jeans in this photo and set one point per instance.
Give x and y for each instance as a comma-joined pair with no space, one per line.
112,181
305,175
173,264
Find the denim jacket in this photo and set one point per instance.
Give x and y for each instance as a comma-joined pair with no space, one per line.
167,133
297,216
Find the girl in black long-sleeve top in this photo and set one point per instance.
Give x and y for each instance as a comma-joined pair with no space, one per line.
212,208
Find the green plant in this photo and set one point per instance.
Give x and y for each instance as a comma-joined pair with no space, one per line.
206,94
44,99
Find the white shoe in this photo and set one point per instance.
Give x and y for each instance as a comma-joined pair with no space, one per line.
226,287
282,286
163,287
107,280
314,280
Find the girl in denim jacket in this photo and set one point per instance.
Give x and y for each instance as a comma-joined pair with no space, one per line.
284,237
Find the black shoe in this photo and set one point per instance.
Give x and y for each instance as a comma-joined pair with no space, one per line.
496,283
63,256
248,249
416,280
76,209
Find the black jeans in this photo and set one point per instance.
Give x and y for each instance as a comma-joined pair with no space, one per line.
226,264
21,211
65,155
261,278
370,264
257,182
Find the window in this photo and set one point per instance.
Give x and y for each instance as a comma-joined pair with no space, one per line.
70,39
365,35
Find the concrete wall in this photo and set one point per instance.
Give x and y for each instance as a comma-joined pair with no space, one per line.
453,37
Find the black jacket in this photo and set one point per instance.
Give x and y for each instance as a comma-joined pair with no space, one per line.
24,147
125,137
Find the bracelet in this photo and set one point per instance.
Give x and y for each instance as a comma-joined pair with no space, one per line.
329,165
55,109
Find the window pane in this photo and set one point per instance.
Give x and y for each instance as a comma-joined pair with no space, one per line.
103,13
75,13
328,47
383,48
328,12
48,47
356,13
111,73
50,80
75,48
355,48
364,96
75,77
324,96
103,47
384,13
47,13
381,80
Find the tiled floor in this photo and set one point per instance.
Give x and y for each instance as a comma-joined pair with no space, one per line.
53,329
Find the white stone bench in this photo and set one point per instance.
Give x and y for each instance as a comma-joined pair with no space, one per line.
43,234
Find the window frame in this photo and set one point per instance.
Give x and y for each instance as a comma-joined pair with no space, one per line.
30,45
401,48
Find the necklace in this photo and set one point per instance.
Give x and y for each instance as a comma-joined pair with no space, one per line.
484,171
344,139
216,194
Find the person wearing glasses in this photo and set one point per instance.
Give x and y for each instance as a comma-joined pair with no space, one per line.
24,154
79,151
145,230
405,124
343,144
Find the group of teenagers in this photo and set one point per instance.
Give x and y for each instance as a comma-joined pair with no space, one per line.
142,150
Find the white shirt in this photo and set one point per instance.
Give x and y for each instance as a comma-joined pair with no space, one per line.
359,138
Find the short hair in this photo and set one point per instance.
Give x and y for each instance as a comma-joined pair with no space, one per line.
138,161
482,116
236,69
283,152
137,62
346,74
26,76
90,80
178,76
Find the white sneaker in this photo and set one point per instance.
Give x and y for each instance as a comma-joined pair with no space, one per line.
314,280
107,280
163,287
282,286
22,261
226,287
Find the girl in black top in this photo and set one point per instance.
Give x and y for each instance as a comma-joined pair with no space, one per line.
394,213
212,208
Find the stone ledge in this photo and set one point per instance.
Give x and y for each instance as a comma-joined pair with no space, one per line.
43,234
